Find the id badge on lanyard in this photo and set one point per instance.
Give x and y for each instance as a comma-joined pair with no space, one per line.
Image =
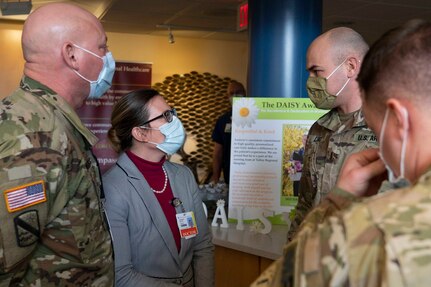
186,221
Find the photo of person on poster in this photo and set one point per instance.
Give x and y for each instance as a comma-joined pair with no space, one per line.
294,139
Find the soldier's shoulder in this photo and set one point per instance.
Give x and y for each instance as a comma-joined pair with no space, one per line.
415,197
323,118
400,207
317,127
401,219
25,109
25,122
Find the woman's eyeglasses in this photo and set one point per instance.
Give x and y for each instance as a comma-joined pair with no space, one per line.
168,115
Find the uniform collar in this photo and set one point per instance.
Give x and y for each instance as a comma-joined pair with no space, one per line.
52,98
332,121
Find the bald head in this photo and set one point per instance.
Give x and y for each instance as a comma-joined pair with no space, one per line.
49,26
338,53
343,42
50,40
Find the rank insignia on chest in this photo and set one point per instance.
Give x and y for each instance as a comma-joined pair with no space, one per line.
26,195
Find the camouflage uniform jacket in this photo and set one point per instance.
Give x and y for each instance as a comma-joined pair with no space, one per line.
329,141
382,241
52,230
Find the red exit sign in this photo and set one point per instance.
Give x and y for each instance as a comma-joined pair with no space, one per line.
242,16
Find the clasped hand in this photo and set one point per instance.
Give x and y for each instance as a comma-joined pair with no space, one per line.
362,173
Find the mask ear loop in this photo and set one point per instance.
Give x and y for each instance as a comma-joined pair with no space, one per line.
382,131
336,69
150,128
84,78
382,135
345,84
404,144
88,51
342,88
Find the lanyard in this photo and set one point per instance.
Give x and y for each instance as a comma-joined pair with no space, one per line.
175,202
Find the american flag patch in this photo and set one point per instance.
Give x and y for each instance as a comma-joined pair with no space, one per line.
26,195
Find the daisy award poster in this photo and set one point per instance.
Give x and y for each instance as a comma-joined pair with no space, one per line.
268,137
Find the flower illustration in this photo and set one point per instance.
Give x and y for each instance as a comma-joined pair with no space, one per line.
245,112
256,226
220,202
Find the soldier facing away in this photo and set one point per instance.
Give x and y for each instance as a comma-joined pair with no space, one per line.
384,240
333,61
53,230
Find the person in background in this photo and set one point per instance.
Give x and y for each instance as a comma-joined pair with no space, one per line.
333,61
160,232
383,240
297,159
222,137
53,230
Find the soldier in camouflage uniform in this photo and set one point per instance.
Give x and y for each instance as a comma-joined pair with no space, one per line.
52,226
384,240
333,60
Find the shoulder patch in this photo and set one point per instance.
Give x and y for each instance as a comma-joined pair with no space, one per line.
26,195
27,228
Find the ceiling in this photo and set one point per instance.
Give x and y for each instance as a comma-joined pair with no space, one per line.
216,19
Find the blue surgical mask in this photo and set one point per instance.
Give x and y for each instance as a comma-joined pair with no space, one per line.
400,180
99,87
174,136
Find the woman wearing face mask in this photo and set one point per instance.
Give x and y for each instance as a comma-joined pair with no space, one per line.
159,229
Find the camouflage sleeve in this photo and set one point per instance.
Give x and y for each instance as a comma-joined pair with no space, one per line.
313,258
337,200
30,173
271,276
346,250
319,256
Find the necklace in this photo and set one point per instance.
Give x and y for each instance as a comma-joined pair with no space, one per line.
166,182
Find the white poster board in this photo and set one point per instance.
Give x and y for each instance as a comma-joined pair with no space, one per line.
266,156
